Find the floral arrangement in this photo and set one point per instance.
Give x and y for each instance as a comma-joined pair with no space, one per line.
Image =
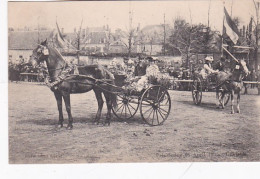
160,79
116,67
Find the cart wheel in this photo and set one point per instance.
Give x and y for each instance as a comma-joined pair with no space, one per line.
226,98
155,105
126,107
196,89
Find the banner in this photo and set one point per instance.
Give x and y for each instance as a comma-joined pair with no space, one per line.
230,28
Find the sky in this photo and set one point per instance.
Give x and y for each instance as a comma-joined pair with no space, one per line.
116,13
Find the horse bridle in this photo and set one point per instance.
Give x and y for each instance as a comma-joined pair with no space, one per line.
38,58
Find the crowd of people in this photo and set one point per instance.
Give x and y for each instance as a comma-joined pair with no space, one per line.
137,68
15,69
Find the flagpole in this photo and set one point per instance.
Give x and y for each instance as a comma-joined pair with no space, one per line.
222,38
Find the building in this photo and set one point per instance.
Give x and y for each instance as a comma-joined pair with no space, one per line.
150,39
96,40
21,43
117,46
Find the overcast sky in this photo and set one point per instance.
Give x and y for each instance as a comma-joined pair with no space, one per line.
116,14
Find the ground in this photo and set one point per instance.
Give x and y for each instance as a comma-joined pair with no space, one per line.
190,134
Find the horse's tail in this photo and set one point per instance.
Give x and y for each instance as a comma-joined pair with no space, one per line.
113,96
114,100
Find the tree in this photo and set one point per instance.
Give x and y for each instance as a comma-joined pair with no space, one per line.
190,39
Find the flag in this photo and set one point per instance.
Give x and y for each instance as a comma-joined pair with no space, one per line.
61,41
230,28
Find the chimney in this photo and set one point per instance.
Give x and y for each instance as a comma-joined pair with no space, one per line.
75,30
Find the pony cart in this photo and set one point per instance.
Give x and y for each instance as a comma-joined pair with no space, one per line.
153,102
199,85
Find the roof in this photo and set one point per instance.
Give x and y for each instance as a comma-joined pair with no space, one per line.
96,37
25,40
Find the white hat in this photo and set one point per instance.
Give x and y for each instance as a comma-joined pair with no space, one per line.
131,61
209,59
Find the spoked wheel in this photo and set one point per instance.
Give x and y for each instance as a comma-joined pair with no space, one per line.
196,89
155,105
225,98
126,107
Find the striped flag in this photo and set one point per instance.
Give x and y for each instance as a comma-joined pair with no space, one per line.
230,28
61,42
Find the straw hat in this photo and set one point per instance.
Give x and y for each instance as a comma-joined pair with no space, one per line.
209,59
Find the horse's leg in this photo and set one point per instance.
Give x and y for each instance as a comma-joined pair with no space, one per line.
245,86
109,107
66,98
100,104
238,100
217,98
232,101
222,99
58,97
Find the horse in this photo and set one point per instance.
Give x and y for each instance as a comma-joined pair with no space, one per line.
71,85
231,82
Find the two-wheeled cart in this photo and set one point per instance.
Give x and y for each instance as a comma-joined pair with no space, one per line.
199,85
154,103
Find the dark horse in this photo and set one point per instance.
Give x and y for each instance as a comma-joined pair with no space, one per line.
91,76
231,82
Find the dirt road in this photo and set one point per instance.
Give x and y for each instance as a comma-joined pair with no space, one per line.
191,133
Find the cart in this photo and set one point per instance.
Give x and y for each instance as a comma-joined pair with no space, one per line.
154,103
199,84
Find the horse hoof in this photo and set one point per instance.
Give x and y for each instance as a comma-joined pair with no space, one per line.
60,126
238,112
232,112
69,127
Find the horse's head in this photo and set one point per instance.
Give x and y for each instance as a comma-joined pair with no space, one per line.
244,67
239,70
40,53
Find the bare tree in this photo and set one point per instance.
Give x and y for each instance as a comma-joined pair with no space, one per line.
78,40
190,40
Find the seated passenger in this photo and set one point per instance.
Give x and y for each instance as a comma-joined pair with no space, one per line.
207,68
